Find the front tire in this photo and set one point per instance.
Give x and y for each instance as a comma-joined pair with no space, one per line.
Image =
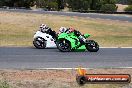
92,46
39,43
63,45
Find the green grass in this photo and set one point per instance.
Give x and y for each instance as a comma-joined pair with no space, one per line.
4,84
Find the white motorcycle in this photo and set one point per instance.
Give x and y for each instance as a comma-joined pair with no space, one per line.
42,40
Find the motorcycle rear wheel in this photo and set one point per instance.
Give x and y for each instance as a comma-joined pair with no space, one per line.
39,43
64,45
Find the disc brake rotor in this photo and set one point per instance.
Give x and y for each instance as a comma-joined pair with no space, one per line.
37,42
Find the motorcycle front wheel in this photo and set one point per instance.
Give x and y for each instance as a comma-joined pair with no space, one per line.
92,46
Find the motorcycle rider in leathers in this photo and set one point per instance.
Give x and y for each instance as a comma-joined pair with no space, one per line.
45,29
72,30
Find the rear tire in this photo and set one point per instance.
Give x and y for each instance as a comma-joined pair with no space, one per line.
39,43
64,45
92,46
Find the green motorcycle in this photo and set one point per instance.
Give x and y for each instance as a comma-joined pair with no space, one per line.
70,42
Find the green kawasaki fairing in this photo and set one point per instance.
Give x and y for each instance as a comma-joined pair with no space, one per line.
70,42
75,45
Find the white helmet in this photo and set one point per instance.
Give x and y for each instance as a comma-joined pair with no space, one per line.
62,29
43,26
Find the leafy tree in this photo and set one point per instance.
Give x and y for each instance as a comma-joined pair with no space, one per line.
16,3
2,2
61,4
53,5
49,4
130,2
58,4
108,8
79,4
95,5
129,8
108,5
108,1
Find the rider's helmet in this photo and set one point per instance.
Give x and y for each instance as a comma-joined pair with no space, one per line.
71,29
44,27
62,30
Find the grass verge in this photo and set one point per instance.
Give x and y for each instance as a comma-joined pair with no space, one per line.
17,29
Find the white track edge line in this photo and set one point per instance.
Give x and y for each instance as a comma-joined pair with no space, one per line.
69,68
83,68
115,47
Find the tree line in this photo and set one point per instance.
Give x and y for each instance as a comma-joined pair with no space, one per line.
74,5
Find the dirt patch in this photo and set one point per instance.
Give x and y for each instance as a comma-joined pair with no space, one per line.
56,78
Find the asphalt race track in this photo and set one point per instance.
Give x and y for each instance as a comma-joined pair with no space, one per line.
91,15
31,58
